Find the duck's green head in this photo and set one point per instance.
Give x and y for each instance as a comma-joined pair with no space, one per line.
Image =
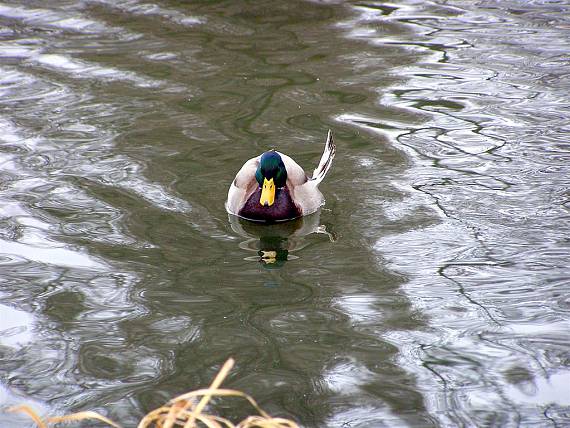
270,175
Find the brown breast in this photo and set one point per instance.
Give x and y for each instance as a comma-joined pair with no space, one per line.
282,209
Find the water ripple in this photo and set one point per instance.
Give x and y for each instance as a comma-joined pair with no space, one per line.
431,291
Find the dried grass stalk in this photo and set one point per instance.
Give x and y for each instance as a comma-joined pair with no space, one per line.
80,416
30,412
185,411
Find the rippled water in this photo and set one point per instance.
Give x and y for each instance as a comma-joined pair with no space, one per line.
431,290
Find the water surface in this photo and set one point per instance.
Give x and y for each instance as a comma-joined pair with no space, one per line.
432,288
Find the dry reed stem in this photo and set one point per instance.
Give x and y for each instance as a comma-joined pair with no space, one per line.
181,411
30,412
80,416
262,422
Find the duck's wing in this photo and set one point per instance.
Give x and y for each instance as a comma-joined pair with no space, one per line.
326,159
296,176
304,189
243,186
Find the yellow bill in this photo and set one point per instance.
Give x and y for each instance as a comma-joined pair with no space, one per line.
267,192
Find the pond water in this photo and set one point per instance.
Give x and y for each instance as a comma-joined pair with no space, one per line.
432,289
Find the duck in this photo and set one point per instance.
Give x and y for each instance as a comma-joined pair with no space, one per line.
272,187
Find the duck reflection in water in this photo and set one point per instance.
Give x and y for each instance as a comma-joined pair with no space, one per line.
274,243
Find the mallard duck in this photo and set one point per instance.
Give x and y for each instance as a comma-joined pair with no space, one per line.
273,187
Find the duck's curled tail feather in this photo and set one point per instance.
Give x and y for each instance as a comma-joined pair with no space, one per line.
326,160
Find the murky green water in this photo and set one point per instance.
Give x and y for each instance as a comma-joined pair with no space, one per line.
431,290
